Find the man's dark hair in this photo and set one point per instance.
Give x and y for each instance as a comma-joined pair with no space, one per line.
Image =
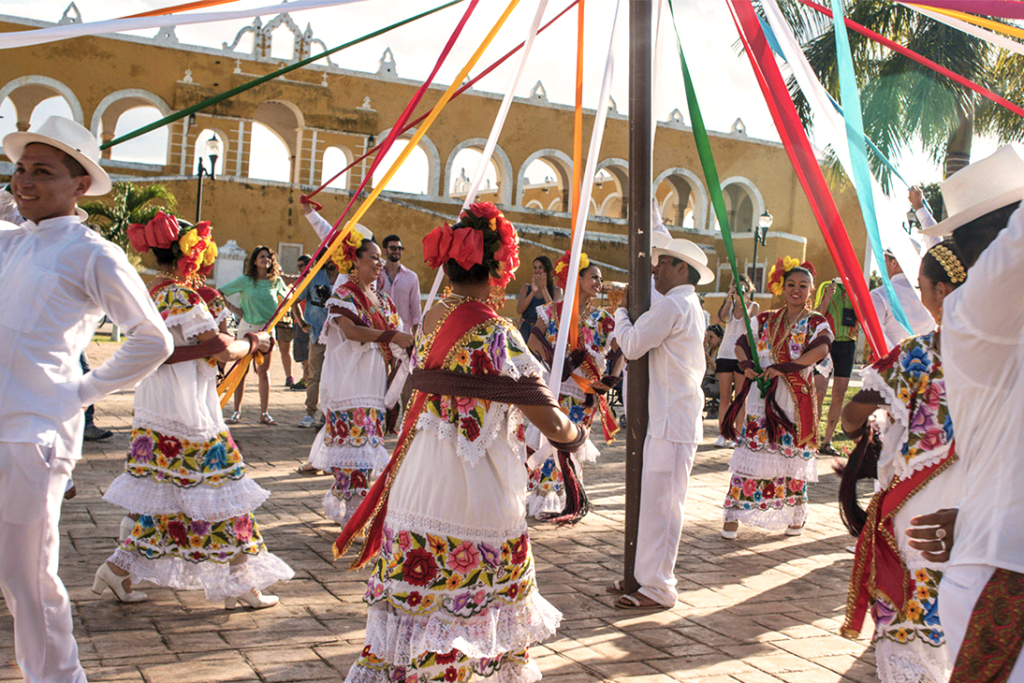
974,237
304,259
692,275
717,329
388,240
74,168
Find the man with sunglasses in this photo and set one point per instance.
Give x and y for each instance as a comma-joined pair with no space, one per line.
401,284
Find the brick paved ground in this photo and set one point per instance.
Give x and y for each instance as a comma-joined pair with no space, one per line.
762,609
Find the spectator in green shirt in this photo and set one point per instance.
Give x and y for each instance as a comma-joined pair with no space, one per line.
833,302
261,290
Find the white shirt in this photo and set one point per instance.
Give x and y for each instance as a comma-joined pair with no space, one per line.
57,280
673,332
982,328
921,321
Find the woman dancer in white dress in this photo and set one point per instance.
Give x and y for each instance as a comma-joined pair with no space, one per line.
185,481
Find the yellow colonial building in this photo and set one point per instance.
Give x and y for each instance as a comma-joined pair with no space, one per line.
322,117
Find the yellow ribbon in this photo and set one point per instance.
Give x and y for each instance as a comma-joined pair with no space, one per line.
977,21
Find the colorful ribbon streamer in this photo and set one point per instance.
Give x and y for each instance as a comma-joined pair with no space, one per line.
1005,9
577,162
185,7
924,61
707,162
973,26
805,164
49,35
859,156
188,111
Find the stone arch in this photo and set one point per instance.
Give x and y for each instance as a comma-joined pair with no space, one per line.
327,171
197,149
534,204
28,91
499,159
555,205
433,159
110,109
686,186
562,164
618,169
744,203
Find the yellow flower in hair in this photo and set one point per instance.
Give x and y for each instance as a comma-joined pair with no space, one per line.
789,263
188,242
584,261
210,255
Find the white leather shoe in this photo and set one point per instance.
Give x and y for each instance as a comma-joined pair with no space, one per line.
106,578
254,599
730,534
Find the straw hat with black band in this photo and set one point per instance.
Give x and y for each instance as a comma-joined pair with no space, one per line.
69,137
687,251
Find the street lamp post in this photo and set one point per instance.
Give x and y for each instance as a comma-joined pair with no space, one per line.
761,236
213,150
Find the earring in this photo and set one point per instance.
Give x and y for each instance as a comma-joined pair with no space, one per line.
497,298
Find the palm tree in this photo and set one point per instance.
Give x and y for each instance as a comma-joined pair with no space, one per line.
904,101
132,204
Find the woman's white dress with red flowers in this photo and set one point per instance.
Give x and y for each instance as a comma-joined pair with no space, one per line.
768,486
546,489
352,390
186,478
453,593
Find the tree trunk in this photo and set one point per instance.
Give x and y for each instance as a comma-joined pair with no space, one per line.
958,147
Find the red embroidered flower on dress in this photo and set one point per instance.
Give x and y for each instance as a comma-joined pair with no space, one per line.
414,599
168,445
358,480
177,531
889,360
480,363
243,528
451,675
419,569
447,657
471,428
520,548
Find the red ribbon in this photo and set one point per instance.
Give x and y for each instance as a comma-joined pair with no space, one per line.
920,59
805,164
317,206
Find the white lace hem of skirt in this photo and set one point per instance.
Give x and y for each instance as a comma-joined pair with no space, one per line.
210,504
193,322
353,402
338,510
404,520
399,638
911,662
768,465
787,515
145,419
511,672
366,457
872,381
216,579
538,503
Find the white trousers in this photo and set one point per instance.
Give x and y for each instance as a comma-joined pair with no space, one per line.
666,477
32,483
959,590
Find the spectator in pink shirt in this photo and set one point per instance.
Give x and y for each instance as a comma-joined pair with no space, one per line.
401,284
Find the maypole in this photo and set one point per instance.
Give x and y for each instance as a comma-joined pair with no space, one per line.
639,300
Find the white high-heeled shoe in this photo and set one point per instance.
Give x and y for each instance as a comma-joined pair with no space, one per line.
126,529
106,578
254,599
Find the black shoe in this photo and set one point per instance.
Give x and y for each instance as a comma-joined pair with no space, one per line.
299,386
94,433
826,449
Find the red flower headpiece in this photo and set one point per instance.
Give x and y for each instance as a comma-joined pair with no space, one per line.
777,275
160,232
467,243
562,268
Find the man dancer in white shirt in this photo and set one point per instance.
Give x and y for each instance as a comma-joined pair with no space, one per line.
981,596
57,280
672,331
921,321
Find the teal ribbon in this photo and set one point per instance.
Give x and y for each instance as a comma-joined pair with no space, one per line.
773,41
859,156
188,111
707,162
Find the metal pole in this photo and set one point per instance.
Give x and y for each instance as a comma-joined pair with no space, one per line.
640,174
199,193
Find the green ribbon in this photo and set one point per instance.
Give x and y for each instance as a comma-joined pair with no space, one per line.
707,162
188,111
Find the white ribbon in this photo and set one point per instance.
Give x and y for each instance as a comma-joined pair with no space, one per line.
499,123
92,28
996,39
558,362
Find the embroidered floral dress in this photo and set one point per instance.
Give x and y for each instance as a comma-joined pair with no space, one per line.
453,594
768,486
355,374
910,645
546,490
186,478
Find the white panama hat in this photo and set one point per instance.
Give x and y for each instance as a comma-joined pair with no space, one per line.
981,188
687,251
69,137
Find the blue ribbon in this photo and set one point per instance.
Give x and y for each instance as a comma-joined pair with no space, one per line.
858,154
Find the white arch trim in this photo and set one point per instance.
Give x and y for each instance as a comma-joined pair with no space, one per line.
700,221
433,159
63,90
535,204
604,205
555,205
754,192
134,93
562,160
501,163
